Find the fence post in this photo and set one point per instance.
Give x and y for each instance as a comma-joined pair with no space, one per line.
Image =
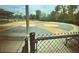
25,47
32,42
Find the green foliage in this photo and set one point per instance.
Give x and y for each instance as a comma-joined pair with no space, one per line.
65,13
32,16
5,14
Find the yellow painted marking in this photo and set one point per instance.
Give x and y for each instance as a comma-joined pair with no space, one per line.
54,25
54,30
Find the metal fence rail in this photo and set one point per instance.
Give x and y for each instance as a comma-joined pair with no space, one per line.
58,43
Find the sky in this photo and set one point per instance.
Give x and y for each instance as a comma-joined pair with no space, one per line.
20,9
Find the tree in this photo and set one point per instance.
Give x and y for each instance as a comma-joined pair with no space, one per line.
57,9
32,16
52,16
5,14
77,18
65,13
71,10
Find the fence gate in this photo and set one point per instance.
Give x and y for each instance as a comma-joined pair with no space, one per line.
54,43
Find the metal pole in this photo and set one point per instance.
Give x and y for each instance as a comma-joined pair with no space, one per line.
27,19
27,27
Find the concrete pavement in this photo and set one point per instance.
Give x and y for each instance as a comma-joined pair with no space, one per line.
7,41
56,27
7,26
16,46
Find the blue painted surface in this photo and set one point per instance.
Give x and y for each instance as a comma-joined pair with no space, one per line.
38,30
21,29
62,26
65,27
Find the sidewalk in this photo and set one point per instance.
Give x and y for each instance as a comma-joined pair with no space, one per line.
10,45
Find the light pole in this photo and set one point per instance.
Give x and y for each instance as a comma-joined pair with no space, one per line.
26,47
27,19
27,41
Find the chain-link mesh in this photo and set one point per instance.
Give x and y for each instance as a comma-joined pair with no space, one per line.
60,45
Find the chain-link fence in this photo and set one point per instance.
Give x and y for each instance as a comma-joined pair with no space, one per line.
55,43
14,29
